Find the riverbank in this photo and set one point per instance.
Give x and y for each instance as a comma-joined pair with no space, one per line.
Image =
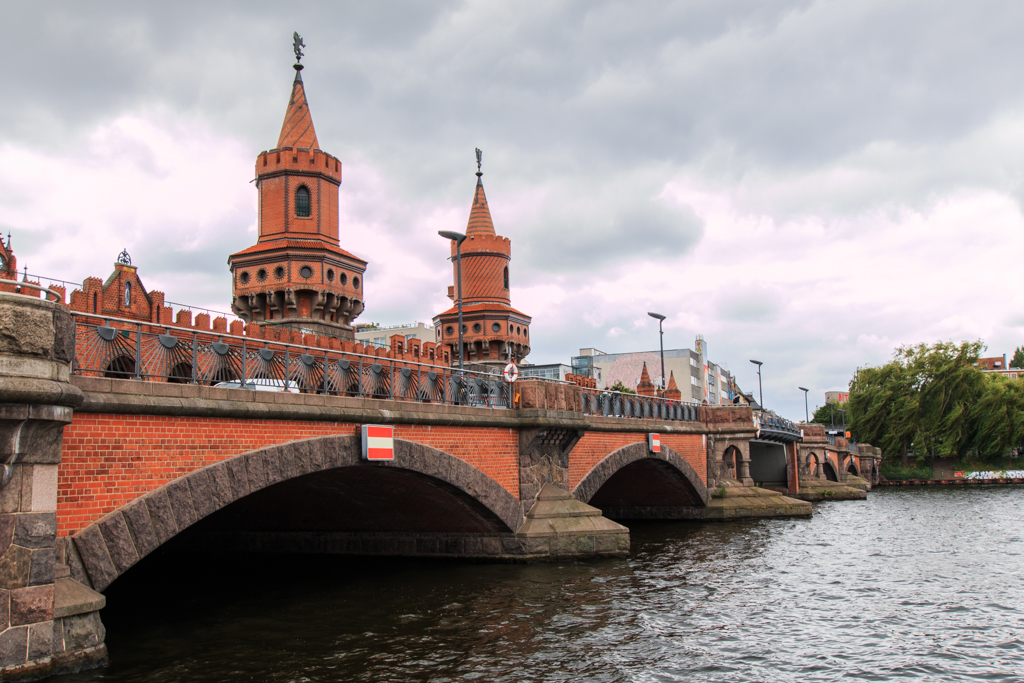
950,482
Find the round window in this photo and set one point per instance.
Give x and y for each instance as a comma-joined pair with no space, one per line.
355,282
244,277
279,272
518,330
495,327
477,328
261,274
464,330
449,331
330,275
525,332
306,272
343,279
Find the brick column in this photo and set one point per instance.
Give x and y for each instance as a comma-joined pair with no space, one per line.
36,401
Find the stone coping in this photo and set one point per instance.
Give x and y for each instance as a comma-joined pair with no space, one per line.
134,397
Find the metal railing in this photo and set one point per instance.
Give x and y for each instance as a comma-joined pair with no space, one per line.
128,349
616,404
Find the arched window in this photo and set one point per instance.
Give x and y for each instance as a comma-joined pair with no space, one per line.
302,202
506,277
128,294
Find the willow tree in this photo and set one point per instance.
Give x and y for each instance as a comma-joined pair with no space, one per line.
884,406
999,416
950,385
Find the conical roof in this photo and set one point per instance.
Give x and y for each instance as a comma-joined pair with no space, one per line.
480,222
646,386
672,391
297,130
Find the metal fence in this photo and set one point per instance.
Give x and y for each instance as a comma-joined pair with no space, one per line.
616,404
127,349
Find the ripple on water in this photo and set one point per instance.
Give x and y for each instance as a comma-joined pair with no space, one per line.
910,584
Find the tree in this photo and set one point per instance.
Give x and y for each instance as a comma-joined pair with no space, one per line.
1018,358
619,386
927,396
824,415
999,416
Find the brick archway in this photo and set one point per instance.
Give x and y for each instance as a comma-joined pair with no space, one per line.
627,455
116,542
854,466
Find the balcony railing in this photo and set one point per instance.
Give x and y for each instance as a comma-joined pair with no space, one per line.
128,349
616,404
775,428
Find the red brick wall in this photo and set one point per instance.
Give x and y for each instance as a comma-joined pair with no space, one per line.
595,446
109,460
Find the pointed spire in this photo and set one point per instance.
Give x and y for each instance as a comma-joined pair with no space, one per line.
297,130
672,392
646,386
480,222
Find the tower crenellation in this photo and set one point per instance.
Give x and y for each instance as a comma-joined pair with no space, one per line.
297,274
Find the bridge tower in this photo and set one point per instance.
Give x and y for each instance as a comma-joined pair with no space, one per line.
494,333
297,274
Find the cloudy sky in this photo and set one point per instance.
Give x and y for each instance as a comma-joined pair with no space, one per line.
810,184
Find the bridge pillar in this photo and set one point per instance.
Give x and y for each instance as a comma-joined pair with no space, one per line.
48,622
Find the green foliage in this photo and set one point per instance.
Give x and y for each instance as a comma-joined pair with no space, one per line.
619,386
934,400
1018,358
894,471
823,415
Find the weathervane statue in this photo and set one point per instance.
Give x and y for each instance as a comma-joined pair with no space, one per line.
479,160
297,45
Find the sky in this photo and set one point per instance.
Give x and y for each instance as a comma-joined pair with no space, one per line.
809,183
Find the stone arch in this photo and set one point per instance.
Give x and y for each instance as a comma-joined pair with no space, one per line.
812,464
829,471
627,455
853,468
113,544
732,460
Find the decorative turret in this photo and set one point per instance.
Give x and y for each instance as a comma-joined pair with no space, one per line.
646,386
672,392
493,332
297,274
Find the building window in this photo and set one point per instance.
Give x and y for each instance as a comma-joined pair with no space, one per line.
306,272
330,275
495,327
128,294
506,277
302,202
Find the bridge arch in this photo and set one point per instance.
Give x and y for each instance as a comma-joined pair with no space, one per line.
853,468
113,544
829,470
638,454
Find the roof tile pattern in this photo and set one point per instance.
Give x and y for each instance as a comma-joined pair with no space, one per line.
297,130
480,222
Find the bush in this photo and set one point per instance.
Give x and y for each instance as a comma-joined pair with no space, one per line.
894,471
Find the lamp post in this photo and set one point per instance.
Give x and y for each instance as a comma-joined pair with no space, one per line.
760,391
807,415
459,239
661,343
844,418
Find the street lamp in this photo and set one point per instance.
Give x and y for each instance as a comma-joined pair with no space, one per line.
844,418
661,341
760,391
459,239
807,415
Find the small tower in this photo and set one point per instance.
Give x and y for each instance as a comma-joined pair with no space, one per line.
494,333
297,274
646,386
672,392
8,262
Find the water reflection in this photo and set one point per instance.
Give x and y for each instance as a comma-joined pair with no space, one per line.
909,584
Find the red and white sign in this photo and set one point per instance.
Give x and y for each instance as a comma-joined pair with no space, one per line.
654,442
378,442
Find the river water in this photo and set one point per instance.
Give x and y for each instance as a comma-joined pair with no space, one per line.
911,584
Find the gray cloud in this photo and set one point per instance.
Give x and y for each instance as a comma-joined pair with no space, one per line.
585,111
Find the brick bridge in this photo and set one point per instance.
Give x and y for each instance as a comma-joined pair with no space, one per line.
109,454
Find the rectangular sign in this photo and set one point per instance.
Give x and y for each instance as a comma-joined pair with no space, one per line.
654,442
378,442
